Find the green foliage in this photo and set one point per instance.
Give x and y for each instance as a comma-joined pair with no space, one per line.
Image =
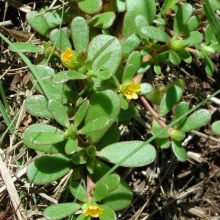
100,57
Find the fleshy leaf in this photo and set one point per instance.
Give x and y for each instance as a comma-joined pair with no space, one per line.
174,58
112,181
156,128
105,53
130,44
145,8
196,120
38,22
118,199
55,91
59,38
167,5
102,103
47,169
65,76
103,20
194,37
81,113
114,153
183,16
216,127
179,151
90,6
97,124
101,191
71,146
155,33
108,213
27,47
78,191
132,65
120,5
60,211
171,97
41,128
80,34
181,109
36,105
163,143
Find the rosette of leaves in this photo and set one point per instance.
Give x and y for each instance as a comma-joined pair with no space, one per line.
169,97
165,48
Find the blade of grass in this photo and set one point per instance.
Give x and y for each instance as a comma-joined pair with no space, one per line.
159,133
30,65
6,118
4,100
214,22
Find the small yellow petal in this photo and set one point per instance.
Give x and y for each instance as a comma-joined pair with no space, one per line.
93,211
130,90
68,58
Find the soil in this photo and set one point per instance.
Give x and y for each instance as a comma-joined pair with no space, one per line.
166,189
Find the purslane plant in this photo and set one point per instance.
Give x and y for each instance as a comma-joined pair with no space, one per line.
92,69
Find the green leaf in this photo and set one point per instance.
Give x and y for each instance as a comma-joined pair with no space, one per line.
97,124
196,120
112,181
55,91
108,213
103,75
83,217
181,109
193,38
179,151
118,199
209,67
114,153
167,5
102,103
59,112
171,97
47,169
156,128
60,211
90,6
38,22
163,143
58,16
37,128
174,58
155,33
132,65
216,127
214,22
65,76
177,135
71,146
183,16
128,113
120,5
157,68
105,52
130,44
141,22
27,47
78,191
101,191
146,8
60,39
36,105
103,20
192,24
80,34
81,113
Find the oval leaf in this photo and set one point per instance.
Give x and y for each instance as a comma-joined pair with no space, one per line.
196,120
71,146
171,97
78,191
101,191
80,34
90,6
114,153
216,127
27,47
36,105
60,211
47,169
81,113
59,112
179,151
181,109
108,213
38,22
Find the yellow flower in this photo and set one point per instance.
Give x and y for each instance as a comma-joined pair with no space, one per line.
68,58
93,211
130,90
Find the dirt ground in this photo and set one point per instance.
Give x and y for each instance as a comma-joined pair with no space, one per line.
167,189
